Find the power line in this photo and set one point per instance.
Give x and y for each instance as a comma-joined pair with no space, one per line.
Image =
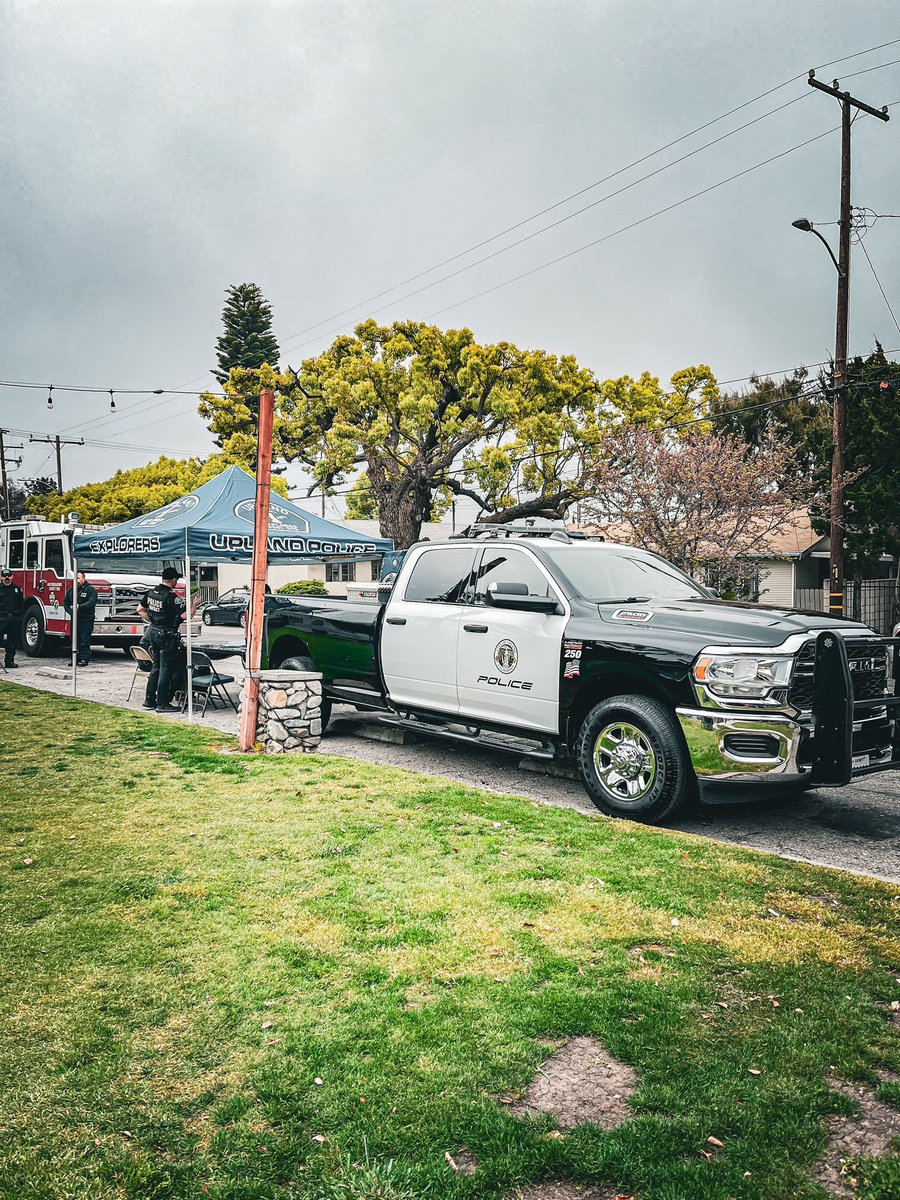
559,203
570,216
867,70
39,435
73,387
582,191
634,224
720,383
101,422
862,246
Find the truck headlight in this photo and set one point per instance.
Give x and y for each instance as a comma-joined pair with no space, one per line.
746,676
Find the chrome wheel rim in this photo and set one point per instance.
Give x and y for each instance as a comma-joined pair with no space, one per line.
625,762
32,631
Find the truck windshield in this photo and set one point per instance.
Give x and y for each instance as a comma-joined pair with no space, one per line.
615,573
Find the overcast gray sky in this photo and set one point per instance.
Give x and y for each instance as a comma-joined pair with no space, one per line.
156,151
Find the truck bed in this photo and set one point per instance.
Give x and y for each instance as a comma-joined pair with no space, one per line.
340,635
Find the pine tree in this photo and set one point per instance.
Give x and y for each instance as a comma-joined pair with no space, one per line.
247,339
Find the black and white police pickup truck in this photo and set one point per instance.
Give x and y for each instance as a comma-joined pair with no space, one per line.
543,644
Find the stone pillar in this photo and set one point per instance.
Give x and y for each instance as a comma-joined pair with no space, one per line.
290,711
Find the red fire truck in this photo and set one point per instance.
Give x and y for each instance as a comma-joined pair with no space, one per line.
39,554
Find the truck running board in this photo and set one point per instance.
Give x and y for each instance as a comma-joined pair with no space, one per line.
360,697
472,736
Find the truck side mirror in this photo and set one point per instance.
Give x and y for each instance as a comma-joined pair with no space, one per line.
515,596
383,592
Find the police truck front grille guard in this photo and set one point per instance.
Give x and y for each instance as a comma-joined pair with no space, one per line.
834,712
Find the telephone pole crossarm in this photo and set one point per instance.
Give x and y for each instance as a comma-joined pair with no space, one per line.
58,442
834,90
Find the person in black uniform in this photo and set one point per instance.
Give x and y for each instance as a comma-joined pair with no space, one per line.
12,606
164,609
87,605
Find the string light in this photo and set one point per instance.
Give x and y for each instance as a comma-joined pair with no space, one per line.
50,397
112,403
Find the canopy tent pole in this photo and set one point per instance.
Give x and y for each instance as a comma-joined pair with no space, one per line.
189,619
74,625
256,609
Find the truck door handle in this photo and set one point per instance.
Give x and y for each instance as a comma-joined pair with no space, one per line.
475,628
396,620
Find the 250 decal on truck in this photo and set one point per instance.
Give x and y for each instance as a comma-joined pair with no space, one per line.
558,648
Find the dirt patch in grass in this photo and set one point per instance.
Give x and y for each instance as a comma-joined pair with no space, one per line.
462,1161
566,1191
581,1082
870,1134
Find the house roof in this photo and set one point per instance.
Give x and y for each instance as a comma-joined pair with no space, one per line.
794,540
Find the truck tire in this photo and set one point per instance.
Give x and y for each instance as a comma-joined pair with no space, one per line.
633,761
307,664
33,632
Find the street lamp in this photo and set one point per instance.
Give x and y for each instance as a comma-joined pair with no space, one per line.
806,226
839,405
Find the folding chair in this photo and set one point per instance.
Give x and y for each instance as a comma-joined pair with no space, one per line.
208,683
140,655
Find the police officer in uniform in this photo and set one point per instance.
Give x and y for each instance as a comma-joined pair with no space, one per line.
85,596
12,606
165,610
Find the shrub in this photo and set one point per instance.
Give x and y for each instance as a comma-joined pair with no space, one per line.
304,587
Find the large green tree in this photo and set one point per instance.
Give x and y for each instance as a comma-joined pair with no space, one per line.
797,412
425,410
872,502
644,402
422,415
246,339
792,410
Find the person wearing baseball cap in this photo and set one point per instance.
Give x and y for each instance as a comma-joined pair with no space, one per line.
12,608
164,609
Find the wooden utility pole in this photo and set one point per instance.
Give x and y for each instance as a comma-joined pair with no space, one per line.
841,340
256,608
4,482
58,442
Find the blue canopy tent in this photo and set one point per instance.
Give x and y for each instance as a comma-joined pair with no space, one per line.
214,524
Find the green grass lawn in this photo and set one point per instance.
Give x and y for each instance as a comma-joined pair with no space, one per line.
247,978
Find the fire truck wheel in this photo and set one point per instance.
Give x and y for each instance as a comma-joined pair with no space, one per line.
33,632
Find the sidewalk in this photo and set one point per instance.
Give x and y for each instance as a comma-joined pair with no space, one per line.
108,678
